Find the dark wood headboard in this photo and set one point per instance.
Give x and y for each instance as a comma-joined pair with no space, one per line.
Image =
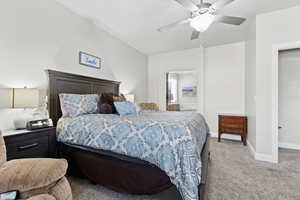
60,82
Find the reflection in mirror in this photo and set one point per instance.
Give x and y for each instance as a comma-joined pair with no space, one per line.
181,93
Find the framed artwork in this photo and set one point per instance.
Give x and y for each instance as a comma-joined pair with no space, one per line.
189,91
89,60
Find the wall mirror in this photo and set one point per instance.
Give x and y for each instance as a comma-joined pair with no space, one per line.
181,94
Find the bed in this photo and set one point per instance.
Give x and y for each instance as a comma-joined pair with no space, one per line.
119,171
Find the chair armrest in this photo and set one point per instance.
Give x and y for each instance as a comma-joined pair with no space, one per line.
28,174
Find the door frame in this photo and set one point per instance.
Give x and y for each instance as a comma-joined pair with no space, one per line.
167,91
275,84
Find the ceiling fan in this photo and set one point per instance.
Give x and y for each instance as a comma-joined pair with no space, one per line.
203,15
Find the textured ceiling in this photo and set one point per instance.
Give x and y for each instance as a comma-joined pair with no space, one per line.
136,21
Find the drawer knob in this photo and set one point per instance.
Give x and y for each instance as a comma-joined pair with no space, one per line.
30,146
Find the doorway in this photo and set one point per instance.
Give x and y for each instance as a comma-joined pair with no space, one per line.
274,93
289,99
181,93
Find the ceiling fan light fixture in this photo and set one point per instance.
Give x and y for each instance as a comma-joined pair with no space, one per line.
202,22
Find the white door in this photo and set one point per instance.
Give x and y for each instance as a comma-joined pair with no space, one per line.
289,99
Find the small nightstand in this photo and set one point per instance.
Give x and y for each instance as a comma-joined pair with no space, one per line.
39,143
233,124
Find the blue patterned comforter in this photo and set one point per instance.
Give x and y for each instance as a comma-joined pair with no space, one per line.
170,140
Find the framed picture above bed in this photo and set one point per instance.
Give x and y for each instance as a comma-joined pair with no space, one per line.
89,60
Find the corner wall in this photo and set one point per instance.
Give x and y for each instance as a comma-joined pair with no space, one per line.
224,82
159,65
221,82
250,83
41,34
271,28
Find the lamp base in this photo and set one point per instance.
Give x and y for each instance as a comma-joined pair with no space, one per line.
20,122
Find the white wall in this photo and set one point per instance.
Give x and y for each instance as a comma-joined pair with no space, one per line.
159,65
271,28
250,82
289,98
224,82
41,34
222,78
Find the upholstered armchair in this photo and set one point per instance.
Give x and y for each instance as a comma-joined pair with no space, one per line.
149,106
34,179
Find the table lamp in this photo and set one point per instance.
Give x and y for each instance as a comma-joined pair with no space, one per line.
24,98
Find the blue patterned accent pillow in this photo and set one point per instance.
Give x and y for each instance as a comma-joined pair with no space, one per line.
125,108
73,105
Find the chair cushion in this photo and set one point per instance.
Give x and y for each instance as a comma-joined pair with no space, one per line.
2,150
28,174
42,197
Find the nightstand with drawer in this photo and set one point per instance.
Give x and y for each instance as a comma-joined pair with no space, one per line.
39,143
233,124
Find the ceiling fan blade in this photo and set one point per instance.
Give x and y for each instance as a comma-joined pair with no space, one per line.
220,4
230,20
174,25
188,4
195,35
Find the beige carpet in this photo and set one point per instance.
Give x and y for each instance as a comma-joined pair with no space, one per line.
234,175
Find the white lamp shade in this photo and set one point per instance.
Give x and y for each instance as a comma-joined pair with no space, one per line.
25,98
129,97
202,22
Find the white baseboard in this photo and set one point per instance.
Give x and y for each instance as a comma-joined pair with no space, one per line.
251,148
260,156
256,156
289,146
226,136
265,157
